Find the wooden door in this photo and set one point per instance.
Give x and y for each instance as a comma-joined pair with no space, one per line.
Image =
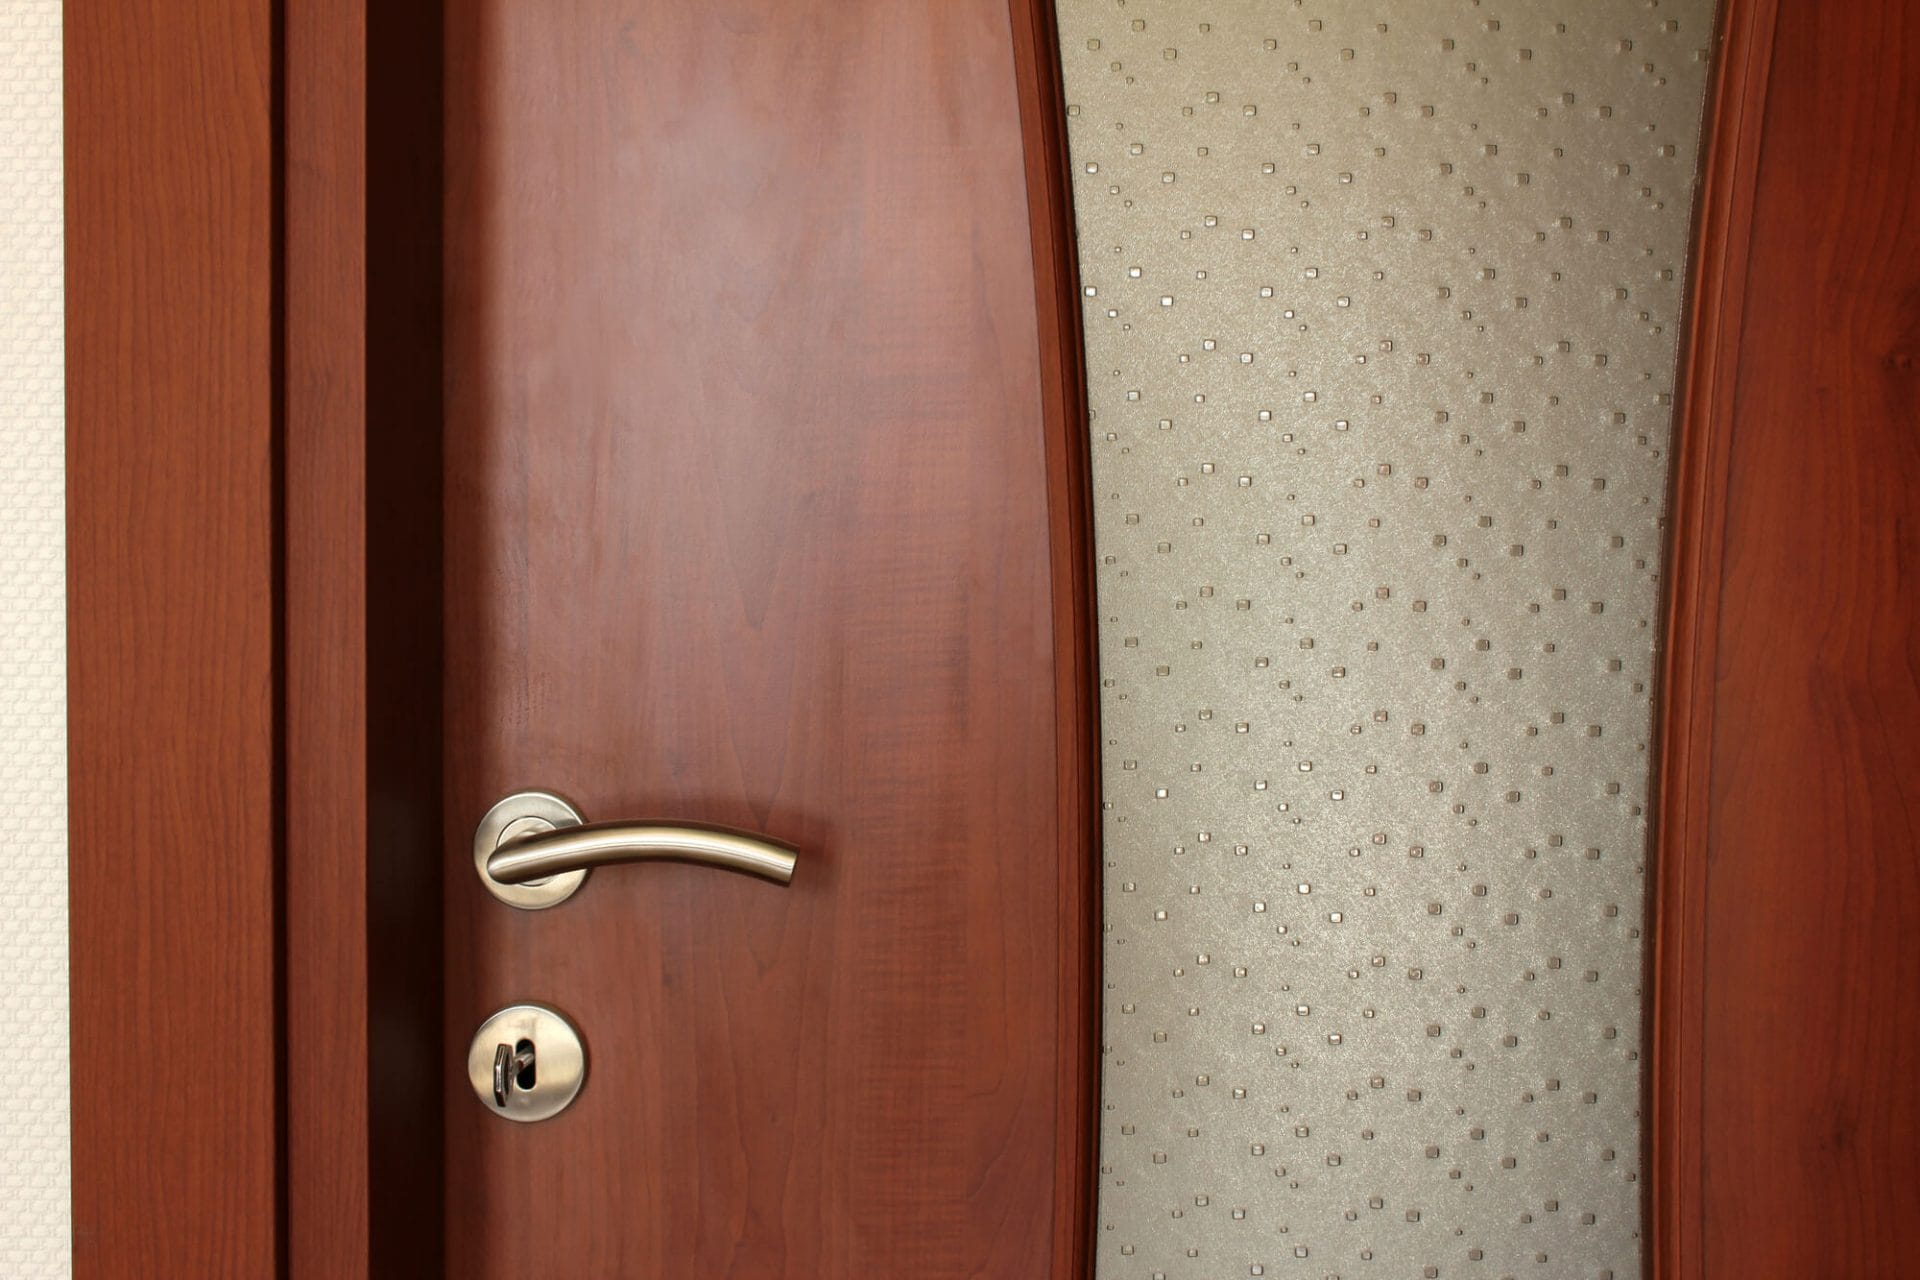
1785,1139
676,406
747,522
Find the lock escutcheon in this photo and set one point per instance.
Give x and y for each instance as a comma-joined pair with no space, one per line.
526,1063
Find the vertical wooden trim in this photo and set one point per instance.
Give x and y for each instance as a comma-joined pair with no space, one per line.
1709,365
1064,408
170,189
362,608
329,1072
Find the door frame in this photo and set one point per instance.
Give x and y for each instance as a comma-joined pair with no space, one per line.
253,584
173,652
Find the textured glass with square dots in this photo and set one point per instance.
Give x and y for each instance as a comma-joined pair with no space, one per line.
1381,303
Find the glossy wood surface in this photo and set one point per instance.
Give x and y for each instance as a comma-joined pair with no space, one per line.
1709,357
750,520
171,691
1787,1131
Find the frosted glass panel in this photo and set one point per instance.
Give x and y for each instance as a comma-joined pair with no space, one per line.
1381,305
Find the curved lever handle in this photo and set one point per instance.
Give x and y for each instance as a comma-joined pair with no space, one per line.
595,844
533,850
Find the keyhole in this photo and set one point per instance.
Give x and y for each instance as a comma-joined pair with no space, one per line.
523,1058
526,1063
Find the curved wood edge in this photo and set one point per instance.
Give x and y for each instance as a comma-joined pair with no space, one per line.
1076,697
1709,363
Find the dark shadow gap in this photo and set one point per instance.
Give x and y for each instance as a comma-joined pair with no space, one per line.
404,651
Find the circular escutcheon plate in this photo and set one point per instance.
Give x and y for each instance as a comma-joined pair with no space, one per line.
549,1083
525,813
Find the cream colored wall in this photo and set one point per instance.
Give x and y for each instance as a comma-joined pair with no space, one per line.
1381,302
35,1212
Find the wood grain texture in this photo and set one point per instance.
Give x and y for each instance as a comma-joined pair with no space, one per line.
1681,801
171,679
1063,389
749,520
361,601
1785,1136
329,1070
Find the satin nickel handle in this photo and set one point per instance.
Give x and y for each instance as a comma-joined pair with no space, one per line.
596,844
532,849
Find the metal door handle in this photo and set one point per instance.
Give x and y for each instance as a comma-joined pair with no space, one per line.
532,849
595,844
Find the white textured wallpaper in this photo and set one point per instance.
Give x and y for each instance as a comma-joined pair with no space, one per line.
35,1211
1381,305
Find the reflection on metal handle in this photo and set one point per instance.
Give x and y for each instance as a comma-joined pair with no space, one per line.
533,850
502,1078
551,853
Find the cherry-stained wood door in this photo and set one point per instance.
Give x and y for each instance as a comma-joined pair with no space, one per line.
748,520
1785,1129
678,406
